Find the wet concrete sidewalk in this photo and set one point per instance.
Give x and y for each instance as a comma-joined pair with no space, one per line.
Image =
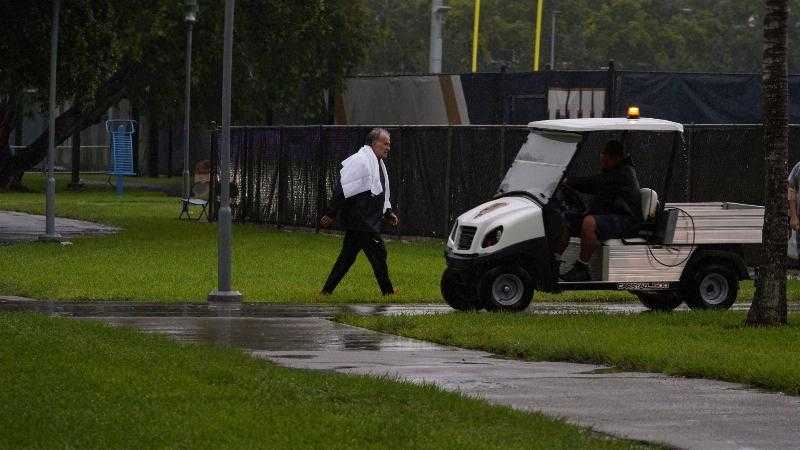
18,227
684,413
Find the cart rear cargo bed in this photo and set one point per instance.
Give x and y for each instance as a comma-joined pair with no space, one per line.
718,223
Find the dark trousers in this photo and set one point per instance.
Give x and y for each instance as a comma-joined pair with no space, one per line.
373,247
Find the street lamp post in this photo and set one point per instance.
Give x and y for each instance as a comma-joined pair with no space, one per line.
553,39
190,16
50,189
224,292
437,19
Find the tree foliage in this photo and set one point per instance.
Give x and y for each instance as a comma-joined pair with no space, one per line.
676,35
286,55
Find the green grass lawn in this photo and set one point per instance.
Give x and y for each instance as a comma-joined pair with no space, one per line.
704,344
93,178
161,259
74,384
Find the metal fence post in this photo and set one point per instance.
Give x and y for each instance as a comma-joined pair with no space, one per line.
281,177
322,170
402,183
689,152
246,176
213,189
502,148
448,156
610,92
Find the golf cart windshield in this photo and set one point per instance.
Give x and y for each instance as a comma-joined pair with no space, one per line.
540,164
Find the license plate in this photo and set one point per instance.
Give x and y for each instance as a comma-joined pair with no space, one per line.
643,286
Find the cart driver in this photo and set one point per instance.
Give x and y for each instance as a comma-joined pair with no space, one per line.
614,212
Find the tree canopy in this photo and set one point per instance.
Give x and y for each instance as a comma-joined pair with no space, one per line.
678,35
286,54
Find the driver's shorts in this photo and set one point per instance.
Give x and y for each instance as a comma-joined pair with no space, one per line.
609,226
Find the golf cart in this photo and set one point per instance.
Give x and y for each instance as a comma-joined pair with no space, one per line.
500,252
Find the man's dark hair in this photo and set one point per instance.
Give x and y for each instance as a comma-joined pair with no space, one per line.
614,149
375,134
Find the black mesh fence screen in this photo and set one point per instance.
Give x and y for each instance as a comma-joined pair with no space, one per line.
477,160
726,163
299,170
420,167
285,175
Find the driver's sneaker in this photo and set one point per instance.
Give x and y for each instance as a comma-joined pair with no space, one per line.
578,273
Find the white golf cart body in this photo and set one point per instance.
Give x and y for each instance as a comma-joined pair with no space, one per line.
499,252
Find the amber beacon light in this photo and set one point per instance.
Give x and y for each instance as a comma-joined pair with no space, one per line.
633,112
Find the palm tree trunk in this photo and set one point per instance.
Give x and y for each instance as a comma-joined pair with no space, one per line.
769,301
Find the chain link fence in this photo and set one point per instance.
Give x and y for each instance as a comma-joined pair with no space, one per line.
285,175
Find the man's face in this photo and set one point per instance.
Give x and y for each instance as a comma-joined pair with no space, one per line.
382,145
607,161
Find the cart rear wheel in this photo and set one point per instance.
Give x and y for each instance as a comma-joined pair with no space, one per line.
455,293
507,288
713,286
659,301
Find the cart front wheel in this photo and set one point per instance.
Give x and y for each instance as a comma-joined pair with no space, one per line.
455,293
508,288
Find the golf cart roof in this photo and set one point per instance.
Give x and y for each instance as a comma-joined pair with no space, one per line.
607,124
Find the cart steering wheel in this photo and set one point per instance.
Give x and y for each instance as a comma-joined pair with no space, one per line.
570,198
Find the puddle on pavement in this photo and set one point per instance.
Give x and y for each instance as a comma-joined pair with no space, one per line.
246,309
250,326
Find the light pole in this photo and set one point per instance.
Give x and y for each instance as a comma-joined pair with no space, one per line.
553,39
224,292
190,16
50,189
475,30
537,36
437,20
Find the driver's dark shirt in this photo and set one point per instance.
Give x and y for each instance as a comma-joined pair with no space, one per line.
616,191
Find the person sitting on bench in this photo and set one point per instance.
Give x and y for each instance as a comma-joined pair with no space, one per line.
614,212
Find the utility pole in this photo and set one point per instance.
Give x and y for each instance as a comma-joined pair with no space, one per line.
438,11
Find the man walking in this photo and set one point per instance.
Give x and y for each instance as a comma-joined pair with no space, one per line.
361,204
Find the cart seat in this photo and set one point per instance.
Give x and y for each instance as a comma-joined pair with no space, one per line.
649,213
649,204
